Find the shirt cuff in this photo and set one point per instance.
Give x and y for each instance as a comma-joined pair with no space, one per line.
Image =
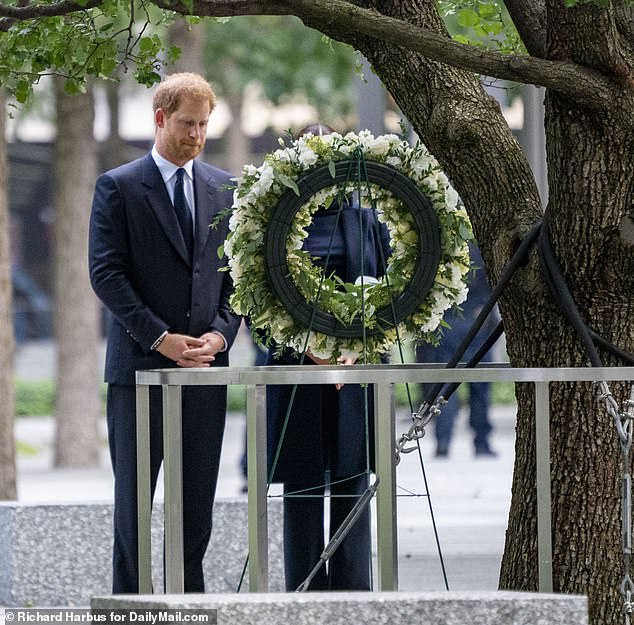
224,340
158,341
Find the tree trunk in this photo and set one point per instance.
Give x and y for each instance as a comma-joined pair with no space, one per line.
114,150
78,406
238,146
590,189
191,41
7,389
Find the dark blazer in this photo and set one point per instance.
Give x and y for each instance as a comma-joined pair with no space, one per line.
327,429
140,269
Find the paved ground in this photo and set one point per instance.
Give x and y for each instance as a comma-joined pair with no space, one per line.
469,497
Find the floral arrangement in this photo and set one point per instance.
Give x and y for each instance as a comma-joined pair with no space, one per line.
259,189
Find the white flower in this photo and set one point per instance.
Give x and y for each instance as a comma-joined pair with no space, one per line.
380,146
451,198
284,156
433,322
307,157
266,175
431,183
235,269
462,294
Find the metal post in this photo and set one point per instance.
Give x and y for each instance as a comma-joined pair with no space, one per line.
257,480
384,436
144,499
542,459
533,137
173,478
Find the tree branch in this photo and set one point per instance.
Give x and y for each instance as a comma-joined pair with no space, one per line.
33,11
345,21
10,15
530,22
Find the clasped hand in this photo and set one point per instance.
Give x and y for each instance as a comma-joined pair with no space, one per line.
189,351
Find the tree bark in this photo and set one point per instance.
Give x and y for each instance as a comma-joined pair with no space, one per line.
78,407
346,21
8,489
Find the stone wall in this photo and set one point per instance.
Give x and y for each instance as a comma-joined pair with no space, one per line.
368,608
60,555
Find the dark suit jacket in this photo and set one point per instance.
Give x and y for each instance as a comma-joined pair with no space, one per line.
140,269
327,428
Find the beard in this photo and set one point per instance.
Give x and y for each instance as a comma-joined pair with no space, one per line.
188,151
179,151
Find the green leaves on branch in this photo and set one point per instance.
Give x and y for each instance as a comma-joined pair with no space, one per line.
118,35
481,23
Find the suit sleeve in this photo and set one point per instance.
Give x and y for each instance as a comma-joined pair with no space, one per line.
109,264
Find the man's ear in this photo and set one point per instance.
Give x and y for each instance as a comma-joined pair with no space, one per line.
160,117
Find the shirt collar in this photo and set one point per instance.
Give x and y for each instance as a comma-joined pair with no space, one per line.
168,169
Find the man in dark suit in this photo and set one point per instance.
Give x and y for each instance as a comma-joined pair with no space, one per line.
154,265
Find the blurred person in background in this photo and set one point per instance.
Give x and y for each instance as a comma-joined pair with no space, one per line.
479,394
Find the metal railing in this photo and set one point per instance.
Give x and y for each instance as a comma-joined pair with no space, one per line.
383,377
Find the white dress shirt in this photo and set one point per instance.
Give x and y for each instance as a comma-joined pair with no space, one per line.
168,173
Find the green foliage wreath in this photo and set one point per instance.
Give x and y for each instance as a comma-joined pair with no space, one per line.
258,193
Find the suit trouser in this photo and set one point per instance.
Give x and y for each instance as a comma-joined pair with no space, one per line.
349,567
202,441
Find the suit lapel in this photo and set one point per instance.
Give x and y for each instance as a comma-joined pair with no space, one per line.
158,198
206,208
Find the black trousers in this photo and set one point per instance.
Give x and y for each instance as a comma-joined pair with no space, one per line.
349,567
203,417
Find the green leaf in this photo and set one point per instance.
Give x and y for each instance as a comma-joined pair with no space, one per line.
332,168
287,182
465,232
74,87
468,17
221,251
23,91
489,11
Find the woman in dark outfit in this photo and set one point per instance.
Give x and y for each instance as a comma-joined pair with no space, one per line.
328,437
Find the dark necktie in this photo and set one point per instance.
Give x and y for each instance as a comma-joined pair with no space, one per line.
182,211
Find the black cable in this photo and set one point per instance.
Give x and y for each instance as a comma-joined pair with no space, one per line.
556,282
518,258
610,347
563,297
449,389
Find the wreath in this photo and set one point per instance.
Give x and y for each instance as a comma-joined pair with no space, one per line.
290,302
